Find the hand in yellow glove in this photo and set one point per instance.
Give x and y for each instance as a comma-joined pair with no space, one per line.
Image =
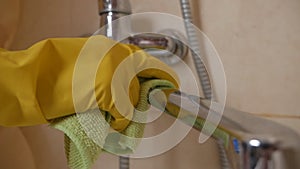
36,84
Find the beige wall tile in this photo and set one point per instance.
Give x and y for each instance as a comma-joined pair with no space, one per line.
259,44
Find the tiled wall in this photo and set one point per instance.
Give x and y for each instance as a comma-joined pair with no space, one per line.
258,43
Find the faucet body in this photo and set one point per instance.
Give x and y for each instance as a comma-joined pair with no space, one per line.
255,143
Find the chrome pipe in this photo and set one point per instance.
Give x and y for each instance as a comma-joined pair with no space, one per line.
110,10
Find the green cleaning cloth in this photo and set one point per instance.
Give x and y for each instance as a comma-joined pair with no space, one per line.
82,151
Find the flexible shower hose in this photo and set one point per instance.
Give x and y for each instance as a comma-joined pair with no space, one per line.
200,68
195,50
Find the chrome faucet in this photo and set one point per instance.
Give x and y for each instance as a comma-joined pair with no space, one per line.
254,143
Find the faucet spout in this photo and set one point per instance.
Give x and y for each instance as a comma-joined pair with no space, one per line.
255,142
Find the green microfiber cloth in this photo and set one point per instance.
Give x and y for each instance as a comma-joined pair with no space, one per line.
81,151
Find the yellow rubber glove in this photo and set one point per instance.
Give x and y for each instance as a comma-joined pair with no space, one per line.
36,84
